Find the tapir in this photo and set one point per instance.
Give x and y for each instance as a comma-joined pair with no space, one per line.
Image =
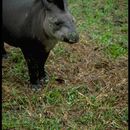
35,26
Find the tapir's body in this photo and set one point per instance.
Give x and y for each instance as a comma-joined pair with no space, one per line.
35,26
21,21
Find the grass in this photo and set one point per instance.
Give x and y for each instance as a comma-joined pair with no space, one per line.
106,22
88,81
55,109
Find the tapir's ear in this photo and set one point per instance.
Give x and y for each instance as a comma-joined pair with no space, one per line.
46,3
59,3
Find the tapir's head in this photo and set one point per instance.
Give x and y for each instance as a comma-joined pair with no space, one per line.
59,23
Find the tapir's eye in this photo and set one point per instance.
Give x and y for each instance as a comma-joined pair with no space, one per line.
58,23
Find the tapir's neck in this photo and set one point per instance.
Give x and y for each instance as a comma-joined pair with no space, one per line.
33,23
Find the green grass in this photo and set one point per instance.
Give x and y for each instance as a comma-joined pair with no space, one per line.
62,108
106,22
19,68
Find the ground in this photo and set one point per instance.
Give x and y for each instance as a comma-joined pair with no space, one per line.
86,90
88,87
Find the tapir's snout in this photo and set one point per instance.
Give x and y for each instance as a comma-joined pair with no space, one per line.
72,37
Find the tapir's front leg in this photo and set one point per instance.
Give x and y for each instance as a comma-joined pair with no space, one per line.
43,76
36,58
32,68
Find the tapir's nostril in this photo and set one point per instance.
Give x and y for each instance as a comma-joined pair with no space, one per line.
73,37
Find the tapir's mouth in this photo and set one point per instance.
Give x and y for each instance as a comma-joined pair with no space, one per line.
71,40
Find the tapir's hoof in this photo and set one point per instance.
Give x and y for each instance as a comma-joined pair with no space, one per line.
36,87
45,79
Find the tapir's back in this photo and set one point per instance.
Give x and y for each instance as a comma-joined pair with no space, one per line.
14,13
